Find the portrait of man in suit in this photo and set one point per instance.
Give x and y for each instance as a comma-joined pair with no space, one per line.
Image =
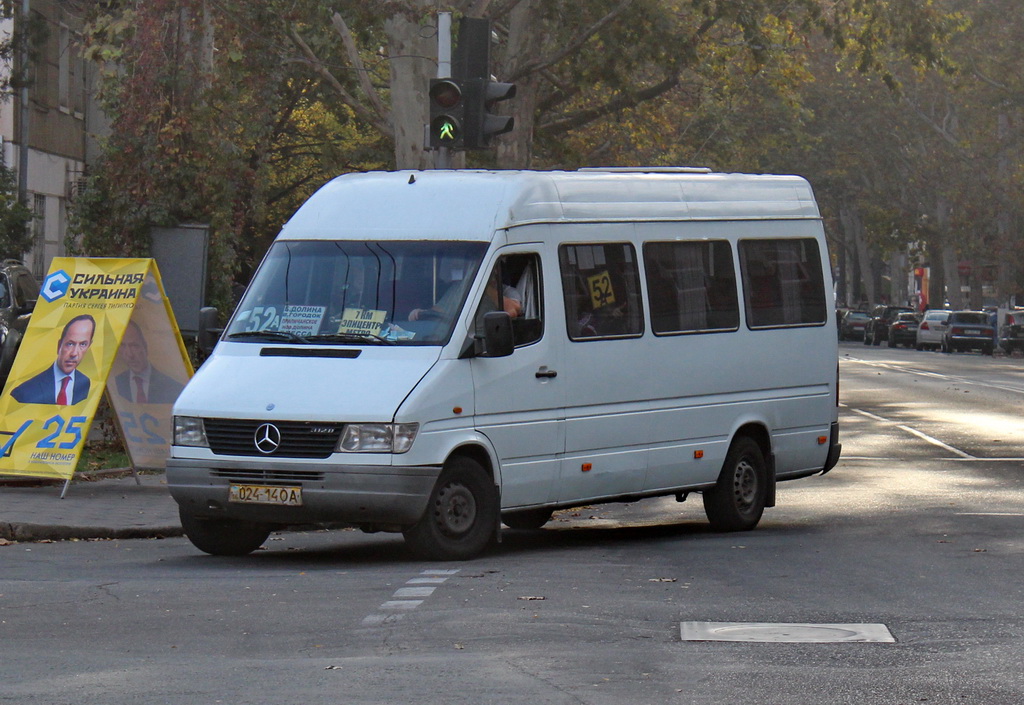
142,383
62,383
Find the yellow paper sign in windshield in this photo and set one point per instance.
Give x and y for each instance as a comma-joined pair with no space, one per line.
362,321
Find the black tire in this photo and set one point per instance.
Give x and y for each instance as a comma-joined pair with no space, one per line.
919,347
737,501
223,537
461,516
987,350
867,341
527,519
890,343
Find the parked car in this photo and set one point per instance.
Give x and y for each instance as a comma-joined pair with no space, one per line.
1011,335
933,327
852,324
969,330
903,330
18,293
882,317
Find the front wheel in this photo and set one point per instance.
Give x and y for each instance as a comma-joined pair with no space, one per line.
737,501
223,537
461,516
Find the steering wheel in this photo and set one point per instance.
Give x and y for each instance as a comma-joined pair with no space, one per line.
429,314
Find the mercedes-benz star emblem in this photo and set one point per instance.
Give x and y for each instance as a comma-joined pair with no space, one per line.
267,438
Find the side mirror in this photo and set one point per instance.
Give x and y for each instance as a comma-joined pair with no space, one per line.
209,333
497,340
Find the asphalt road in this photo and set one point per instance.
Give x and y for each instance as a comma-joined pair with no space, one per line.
918,529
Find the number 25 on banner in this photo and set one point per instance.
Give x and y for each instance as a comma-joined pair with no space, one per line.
60,434
148,424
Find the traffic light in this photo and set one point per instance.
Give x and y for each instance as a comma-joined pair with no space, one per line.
472,64
447,113
480,123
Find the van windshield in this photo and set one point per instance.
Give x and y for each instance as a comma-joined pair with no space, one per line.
341,292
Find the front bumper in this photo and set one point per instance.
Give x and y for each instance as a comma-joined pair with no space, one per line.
363,495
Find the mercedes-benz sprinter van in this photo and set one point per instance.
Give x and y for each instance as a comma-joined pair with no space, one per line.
440,352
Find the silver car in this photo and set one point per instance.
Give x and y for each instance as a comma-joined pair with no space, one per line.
933,327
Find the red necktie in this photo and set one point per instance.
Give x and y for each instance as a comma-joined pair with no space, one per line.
140,393
62,396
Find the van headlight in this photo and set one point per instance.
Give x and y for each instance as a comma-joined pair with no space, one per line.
377,437
189,431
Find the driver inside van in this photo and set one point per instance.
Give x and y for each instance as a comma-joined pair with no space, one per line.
445,307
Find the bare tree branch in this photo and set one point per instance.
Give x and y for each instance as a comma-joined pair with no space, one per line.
357,62
584,37
629,100
382,125
615,105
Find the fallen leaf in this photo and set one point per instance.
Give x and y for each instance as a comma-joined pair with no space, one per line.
661,580
531,597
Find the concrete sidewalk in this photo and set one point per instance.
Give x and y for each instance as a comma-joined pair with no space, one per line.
95,507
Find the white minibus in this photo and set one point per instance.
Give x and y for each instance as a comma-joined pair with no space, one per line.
440,352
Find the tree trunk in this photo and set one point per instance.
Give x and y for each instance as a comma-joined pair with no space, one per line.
411,52
950,259
853,228
524,45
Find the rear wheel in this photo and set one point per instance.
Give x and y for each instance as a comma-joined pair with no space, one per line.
223,537
461,516
737,501
527,519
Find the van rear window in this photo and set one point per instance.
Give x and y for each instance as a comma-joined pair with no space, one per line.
782,283
691,286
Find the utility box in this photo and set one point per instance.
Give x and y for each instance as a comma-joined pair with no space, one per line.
180,253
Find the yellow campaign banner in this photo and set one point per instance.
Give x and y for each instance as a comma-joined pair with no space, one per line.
99,325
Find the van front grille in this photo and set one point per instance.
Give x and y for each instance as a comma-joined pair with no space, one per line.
268,477
277,439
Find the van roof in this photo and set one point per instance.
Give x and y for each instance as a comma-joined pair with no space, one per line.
471,204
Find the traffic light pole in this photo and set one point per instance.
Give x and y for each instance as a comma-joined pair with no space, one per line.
443,155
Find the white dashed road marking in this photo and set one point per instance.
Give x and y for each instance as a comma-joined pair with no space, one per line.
406,599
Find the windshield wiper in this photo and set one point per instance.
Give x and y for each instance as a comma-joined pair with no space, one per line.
269,335
365,338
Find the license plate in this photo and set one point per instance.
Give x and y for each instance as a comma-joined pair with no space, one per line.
972,331
263,494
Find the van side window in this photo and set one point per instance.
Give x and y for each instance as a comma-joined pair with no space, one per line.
782,283
691,286
601,285
514,287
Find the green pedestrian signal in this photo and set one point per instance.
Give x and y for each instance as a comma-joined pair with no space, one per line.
447,112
